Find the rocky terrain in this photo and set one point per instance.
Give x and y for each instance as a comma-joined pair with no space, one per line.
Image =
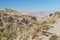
17,26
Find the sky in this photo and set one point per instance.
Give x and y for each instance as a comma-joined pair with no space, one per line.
31,5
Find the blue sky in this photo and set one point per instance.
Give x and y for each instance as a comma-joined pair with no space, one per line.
31,5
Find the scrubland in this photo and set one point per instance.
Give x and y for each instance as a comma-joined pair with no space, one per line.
16,26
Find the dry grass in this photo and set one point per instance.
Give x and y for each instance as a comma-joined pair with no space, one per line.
24,27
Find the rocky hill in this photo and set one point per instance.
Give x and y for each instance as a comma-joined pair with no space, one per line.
16,26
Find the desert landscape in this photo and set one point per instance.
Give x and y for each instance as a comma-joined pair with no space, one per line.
29,19
15,25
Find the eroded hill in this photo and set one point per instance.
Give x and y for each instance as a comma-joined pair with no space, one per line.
16,26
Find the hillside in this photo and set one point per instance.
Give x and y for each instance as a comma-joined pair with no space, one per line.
17,26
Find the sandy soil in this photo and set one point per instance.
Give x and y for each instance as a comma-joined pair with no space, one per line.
56,28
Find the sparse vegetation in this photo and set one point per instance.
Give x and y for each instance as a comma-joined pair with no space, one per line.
51,14
24,27
53,37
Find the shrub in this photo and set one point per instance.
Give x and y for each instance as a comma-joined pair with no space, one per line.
50,14
25,21
53,37
1,23
34,18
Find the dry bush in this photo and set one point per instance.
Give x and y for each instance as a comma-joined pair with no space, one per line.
53,37
44,22
57,14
